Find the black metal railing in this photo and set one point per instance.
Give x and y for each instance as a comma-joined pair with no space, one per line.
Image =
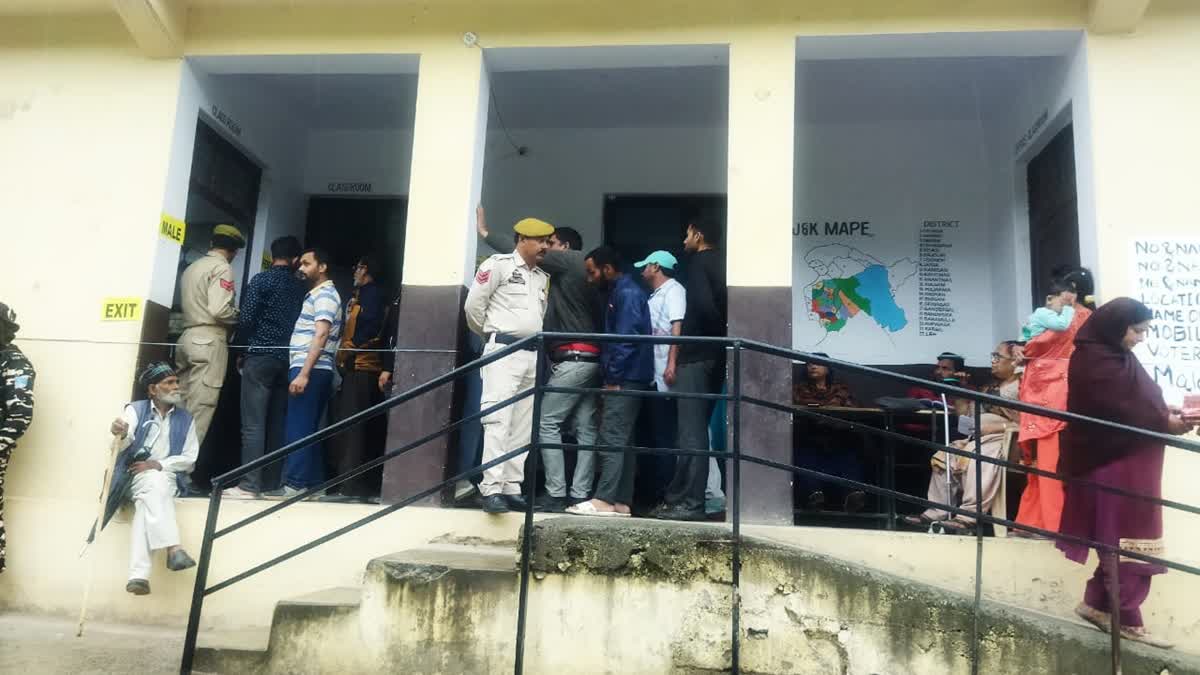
735,398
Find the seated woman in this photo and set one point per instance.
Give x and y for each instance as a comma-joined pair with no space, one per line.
822,448
996,425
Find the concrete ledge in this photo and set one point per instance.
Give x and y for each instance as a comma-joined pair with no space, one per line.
800,607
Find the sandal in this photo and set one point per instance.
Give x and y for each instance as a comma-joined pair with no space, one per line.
921,522
954,526
589,509
1139,634
1099,619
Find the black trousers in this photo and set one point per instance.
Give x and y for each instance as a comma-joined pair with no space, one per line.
362,442
686,490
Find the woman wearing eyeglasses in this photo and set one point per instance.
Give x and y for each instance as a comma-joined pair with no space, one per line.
996,423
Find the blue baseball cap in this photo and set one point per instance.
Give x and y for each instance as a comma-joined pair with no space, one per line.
661,258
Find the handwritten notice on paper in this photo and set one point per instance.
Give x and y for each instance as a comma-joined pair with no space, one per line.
1166,274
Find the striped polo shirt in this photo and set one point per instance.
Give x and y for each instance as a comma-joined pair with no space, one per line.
321,304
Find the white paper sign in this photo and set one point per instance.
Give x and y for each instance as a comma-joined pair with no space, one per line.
1166,275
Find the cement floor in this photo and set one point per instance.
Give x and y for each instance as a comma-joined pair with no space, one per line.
37,645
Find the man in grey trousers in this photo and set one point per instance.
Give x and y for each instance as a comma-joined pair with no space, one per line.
623,366
570,309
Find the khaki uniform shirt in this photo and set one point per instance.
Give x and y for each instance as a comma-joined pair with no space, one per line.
507,297
207,293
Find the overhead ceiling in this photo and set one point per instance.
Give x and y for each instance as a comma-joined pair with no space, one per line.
379,91
345,101
872,90
597,98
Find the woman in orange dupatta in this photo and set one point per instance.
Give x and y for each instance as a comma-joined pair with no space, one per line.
1047,357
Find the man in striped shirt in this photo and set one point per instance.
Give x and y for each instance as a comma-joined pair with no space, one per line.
313,347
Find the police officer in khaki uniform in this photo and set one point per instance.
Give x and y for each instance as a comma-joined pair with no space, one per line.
209,315
506,303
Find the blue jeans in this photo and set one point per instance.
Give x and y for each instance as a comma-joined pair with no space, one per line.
305,467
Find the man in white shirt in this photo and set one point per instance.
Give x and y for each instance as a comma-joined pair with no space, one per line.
668,303
158,448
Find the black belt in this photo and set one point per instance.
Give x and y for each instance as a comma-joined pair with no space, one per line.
502,339
560,357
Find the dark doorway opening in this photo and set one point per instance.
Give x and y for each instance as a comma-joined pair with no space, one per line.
636,225
223,189
1053,211
351,227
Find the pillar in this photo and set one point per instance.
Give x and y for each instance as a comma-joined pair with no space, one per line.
439,254
762,81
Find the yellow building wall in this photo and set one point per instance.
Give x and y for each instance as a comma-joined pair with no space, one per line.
85,128
1145,106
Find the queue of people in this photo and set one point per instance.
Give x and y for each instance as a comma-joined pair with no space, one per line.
305,358
542,280
306,351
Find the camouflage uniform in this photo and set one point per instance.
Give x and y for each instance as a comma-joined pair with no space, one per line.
16,412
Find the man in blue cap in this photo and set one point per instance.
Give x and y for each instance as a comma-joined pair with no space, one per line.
668,303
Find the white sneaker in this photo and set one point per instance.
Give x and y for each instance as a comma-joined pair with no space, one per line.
236,492
287,492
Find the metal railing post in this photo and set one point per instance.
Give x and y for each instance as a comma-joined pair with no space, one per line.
978,535
1112,564
535,450
198,590
736,447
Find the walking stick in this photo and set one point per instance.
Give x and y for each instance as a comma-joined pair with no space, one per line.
87,584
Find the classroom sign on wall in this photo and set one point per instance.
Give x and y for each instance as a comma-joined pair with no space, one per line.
1166,274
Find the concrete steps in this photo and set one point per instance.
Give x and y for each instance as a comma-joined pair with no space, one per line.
636,596
355,629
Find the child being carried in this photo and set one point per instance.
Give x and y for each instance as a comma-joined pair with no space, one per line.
1056,315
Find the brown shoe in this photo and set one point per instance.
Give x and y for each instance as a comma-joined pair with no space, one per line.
138,587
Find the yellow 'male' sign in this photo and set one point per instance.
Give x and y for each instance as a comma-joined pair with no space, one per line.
172,228
121,309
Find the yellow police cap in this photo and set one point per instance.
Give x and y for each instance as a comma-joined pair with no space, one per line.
532,227
231,232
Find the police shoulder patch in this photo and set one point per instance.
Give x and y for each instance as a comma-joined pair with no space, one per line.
227,285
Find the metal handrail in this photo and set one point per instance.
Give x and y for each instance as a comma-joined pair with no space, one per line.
735,453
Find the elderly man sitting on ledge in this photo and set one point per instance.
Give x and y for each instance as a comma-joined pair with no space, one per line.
158,445
996,424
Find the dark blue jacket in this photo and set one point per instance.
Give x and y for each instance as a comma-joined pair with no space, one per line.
627,314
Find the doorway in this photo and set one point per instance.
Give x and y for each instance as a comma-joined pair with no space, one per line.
1053,211
636,225
352,227
223,189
